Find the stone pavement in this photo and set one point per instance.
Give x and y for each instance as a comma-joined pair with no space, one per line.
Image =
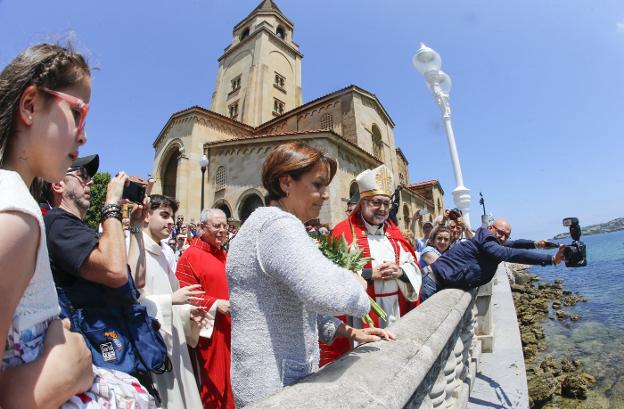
501,381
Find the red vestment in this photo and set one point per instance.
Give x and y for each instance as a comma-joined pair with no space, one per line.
354,226
204,264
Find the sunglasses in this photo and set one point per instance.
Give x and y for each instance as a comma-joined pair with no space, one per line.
79,107
81,173
501,233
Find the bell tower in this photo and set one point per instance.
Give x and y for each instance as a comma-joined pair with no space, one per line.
259,75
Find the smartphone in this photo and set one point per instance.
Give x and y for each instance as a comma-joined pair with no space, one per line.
135,192
424,211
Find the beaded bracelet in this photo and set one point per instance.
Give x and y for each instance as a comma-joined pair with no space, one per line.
110,206
109,214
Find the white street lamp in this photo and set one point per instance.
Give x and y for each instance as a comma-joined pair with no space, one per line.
203,163
428,62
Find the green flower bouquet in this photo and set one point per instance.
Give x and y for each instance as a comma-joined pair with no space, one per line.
350,257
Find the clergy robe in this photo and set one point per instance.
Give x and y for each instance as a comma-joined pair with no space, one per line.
177,389
204,264
396,297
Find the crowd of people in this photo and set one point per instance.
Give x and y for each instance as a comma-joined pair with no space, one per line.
155,312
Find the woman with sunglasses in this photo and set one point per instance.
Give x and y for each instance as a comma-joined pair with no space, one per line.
439,241
44,94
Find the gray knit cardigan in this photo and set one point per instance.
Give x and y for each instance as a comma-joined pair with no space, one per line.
283,294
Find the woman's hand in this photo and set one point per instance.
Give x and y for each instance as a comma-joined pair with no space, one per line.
370,335
186,295
362,281
70,357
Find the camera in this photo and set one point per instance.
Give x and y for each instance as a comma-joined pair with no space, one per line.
134,191
454,214
575,253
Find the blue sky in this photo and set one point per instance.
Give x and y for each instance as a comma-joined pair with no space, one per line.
537,98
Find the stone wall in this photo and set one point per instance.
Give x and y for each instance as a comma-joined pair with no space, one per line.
432,364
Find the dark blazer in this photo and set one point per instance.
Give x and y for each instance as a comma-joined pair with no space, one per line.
471,263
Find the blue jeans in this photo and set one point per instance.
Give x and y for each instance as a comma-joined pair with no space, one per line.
429,287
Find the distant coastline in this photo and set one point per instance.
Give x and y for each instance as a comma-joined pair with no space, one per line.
610,226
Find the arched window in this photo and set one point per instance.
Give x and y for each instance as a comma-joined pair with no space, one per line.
377,143
353,189
327,121
170,174
220,178
281,33
225,210
244,34
251,203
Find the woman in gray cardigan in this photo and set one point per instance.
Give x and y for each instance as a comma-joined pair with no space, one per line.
283,291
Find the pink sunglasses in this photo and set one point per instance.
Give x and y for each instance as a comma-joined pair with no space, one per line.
76,105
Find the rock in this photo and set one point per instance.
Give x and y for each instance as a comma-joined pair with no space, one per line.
576,385
522,278
530,351
569,365
556,305
575,317
517,288
542,389
561,316
551,365
569,300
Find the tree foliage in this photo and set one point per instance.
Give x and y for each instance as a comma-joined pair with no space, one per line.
98,196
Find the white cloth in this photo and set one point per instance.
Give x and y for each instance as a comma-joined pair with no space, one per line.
381,250
39,301
177,388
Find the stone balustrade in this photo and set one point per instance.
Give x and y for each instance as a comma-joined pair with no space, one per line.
432,364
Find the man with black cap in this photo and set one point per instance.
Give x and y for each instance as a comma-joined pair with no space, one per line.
79,257
75,249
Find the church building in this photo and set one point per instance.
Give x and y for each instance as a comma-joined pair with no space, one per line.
257,104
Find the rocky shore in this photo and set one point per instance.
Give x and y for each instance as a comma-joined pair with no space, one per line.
553,383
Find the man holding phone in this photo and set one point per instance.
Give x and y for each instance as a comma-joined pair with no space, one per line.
77,253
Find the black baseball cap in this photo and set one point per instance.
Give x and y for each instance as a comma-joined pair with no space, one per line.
91,163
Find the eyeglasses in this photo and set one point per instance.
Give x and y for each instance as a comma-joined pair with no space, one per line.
223,226
79,107
81,173
378,203
500,232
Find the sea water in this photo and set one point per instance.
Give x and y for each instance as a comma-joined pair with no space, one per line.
597,340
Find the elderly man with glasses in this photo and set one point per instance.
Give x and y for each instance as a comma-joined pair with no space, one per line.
392,274
203,263
472,263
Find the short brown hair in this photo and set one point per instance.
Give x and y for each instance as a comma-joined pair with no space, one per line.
294,159
437,230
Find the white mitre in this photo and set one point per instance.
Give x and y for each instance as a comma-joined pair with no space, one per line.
375,182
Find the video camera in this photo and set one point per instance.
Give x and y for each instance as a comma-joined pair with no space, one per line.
575,253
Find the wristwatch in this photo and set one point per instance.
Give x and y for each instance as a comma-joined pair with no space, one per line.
135,229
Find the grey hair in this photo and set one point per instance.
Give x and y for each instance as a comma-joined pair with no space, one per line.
208,214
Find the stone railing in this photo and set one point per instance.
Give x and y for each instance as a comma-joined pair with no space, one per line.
432,364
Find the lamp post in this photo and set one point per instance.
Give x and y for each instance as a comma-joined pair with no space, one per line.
203,163
428,62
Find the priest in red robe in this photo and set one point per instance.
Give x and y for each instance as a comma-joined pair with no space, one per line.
393,276
204,263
